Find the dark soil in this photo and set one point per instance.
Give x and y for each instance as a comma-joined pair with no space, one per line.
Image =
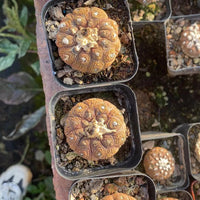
146,109
179,194
123,67
183,92
136,186
175,146
192,137
186,7
70,161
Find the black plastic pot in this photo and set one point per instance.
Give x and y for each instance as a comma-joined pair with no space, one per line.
183,69
134,56
151,186
162,20
130,105
182,194
178,181
185,130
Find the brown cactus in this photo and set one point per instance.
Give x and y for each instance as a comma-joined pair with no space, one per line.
159,163
88,40
118,196
190,41
95,129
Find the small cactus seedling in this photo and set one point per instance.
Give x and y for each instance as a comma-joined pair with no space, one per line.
190,41
159,163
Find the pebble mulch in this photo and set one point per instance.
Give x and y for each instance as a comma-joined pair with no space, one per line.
177,60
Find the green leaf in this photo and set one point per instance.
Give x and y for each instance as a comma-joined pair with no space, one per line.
27,123
18,88
27,198
24,16
47,156
10,50
49,185
7,61
23,47
41,186
33,189
36,67
10,9
6,46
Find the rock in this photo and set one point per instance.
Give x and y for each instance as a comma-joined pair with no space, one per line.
71,155
89,2
124,39
59,133
94,197
78,74
111,188
121,181
52,28
136,18
58,64
68,81
196,60
108,6
148,145
178,30
61,73
56,13
141,13
79,81
150,16
95,186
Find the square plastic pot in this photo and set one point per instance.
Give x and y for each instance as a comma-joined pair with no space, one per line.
130,105
175,143
162,20
110,179
177,62
185,129
104,80
180,194
193,189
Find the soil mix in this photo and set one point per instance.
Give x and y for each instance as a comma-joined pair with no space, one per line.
148,12
178,194
136,186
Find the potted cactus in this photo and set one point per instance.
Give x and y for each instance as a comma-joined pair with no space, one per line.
90,43
94,132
